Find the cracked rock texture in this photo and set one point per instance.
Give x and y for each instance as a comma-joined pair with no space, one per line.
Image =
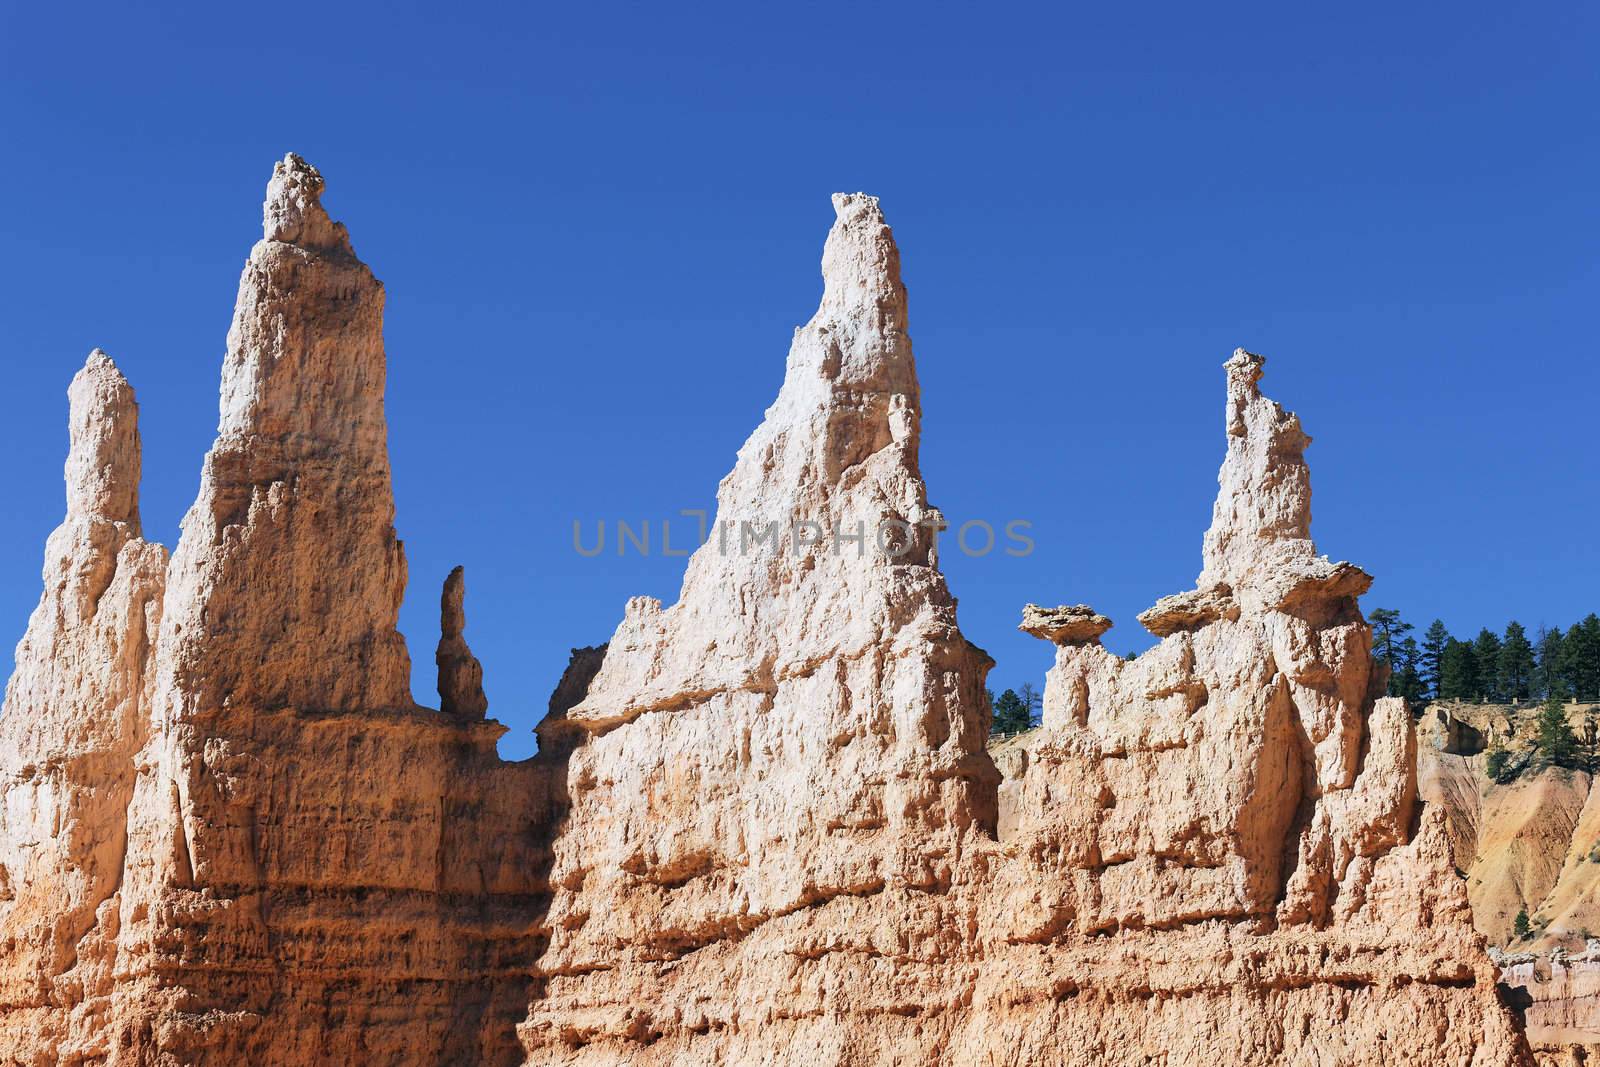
763,828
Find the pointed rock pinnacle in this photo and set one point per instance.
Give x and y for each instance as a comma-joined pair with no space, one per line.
861,265
292,533
1259,545
103,462
460,673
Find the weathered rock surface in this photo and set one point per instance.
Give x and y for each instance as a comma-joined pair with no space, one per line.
1560,994
781,778
1214,851
235,834
1067,625
763,827
1530,844
1239,787
460,673
1191,610
75,714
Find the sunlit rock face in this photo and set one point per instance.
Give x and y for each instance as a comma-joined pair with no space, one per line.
230,836
1211,852
763,827
1217,845
779,780
76,712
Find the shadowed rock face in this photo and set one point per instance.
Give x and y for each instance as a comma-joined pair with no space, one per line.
460,673
763,826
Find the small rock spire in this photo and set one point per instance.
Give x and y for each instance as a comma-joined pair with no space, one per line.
861,265
460,673
1258,552
1262,517
293,211
104,458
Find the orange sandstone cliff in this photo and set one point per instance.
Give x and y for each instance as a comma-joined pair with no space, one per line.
763,827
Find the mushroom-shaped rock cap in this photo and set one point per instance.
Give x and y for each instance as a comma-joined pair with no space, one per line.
1078,624
1183,612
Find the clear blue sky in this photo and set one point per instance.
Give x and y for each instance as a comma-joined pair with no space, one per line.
598,226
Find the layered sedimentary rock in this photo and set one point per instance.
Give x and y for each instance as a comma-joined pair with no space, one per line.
75,714
275,855
1231,817
1528,844
1213,851
1560,994
778,780
763,827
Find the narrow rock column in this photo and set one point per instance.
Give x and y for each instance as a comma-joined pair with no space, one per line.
460,673
104,460
287,582
76,711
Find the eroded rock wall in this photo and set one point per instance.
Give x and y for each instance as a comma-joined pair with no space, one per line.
764,825
1214,851
273,855
1232,816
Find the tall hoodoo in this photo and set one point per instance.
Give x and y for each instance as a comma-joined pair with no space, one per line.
75,713
320,840
1259,544
790,758
287,581
1239,792
792,572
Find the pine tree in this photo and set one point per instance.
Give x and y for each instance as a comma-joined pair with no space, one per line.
1494,764
1010,714
1407,680
1558,747
1033,700
1458,671
1580,659
1520,925
1431,666
1547,676
1515,663
1487,651
1387,630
